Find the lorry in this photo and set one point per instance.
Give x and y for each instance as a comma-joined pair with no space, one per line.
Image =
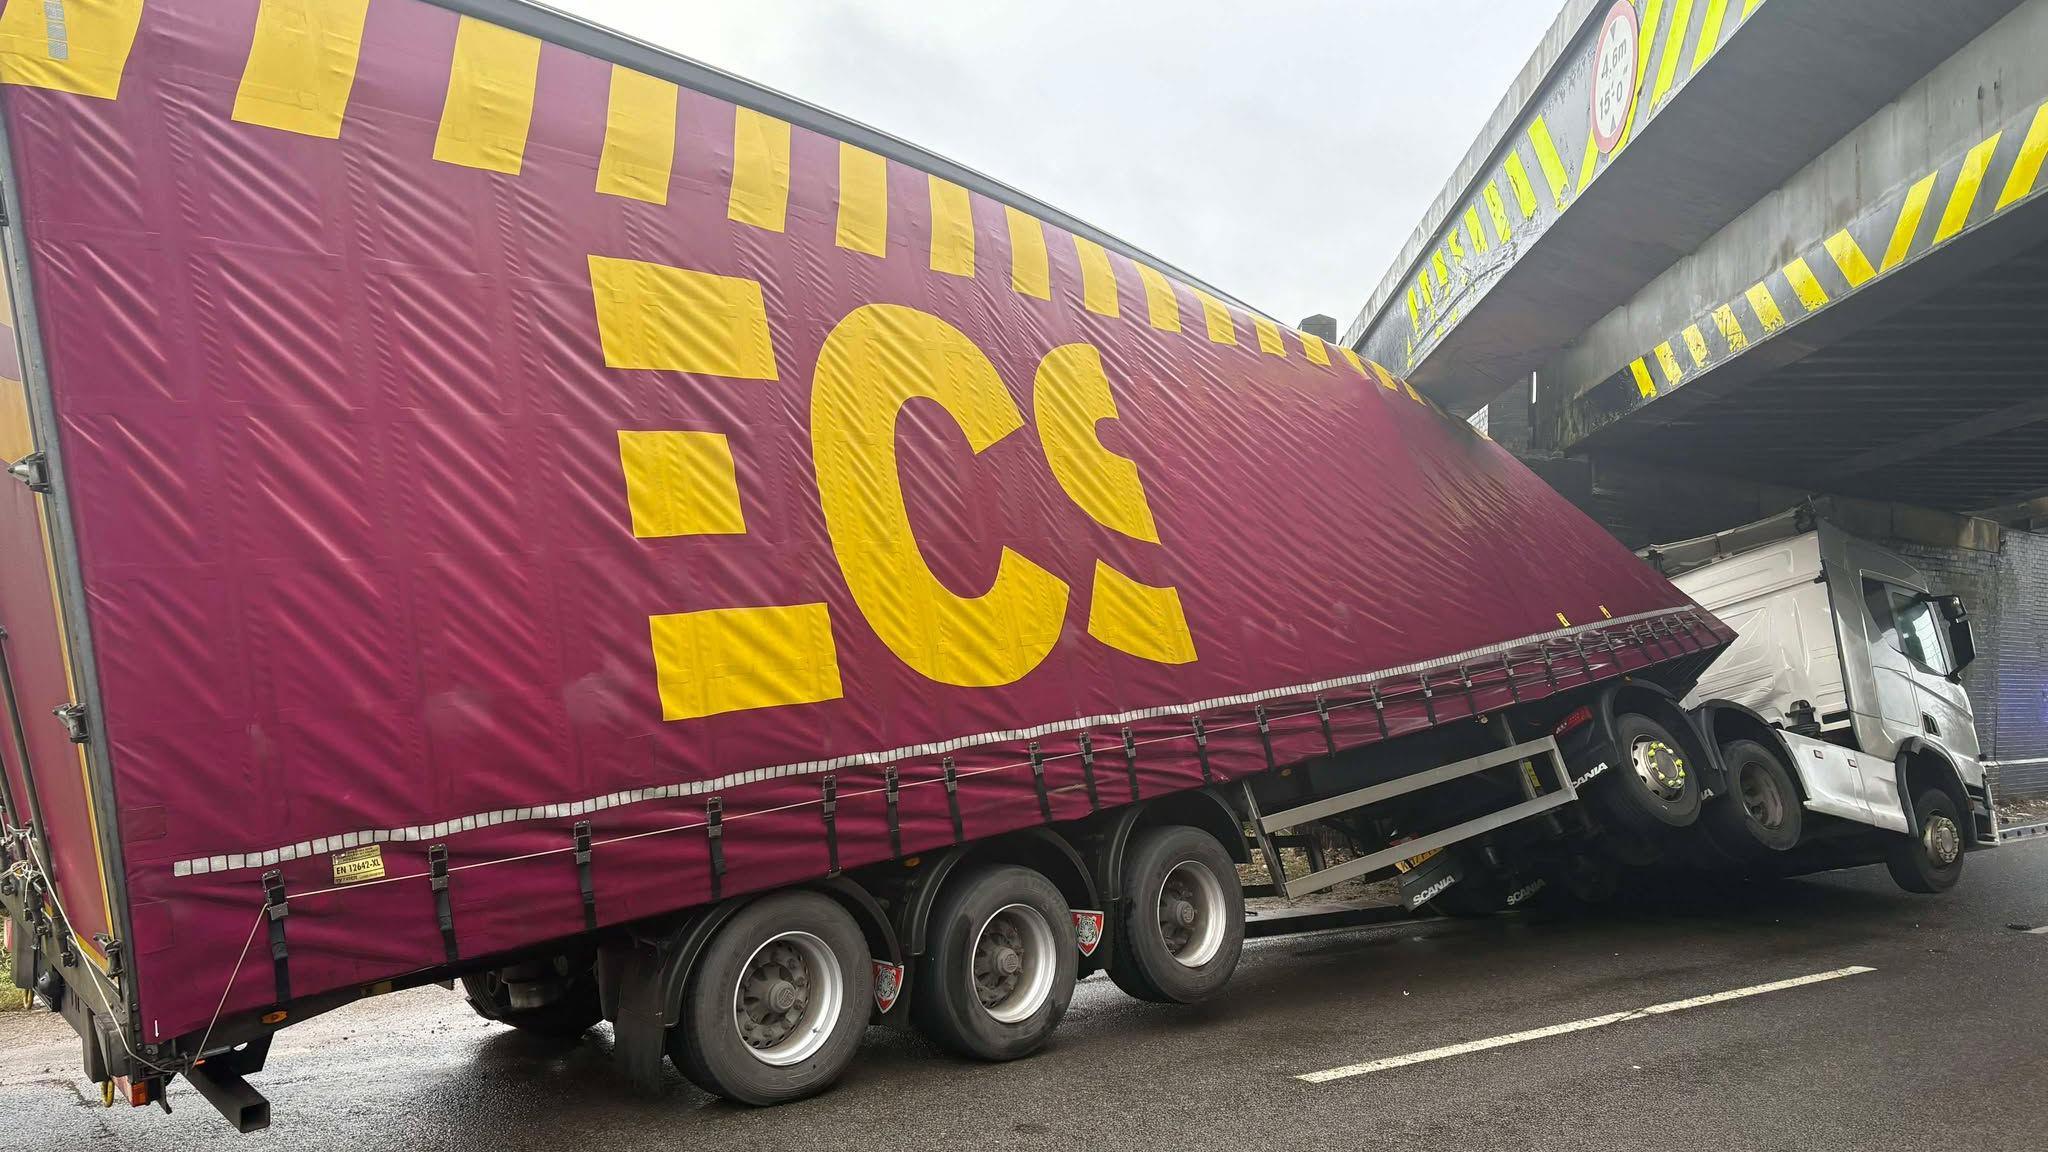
496,503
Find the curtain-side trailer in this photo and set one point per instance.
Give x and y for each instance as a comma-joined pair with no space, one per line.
492,500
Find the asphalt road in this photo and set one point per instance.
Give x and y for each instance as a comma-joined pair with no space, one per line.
1943,1045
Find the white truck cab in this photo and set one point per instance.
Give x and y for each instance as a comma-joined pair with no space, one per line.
1854,664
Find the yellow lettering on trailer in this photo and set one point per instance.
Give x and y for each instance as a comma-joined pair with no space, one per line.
84,53
639,137
1070,397
490,98
1138,619
302,65
677,320
879,358
735,659
680,484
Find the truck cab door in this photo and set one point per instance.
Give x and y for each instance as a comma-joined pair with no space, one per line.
1898,696
1945,717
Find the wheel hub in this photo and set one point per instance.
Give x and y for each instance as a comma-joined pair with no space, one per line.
1191,912
1943,840
787,998
1760,797
1659,766
1014,958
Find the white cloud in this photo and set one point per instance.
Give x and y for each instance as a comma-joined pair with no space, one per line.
1283,151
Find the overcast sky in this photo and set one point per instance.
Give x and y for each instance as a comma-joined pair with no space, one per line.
1283,150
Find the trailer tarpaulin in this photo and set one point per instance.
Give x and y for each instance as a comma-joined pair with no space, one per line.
469,438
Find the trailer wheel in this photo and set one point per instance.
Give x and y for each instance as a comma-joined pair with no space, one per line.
1653,786
777,1004
1762,810
1932,861
1001,966
575,1011
1182,928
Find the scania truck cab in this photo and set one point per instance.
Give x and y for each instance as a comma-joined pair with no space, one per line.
1840,706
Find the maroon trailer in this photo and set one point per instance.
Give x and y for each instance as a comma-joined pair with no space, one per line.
496,500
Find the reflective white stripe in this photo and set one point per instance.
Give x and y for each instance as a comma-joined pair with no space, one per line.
1449,1050
202,865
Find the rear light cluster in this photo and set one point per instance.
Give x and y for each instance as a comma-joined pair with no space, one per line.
1576,718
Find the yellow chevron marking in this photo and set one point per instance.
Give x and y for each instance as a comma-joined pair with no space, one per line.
1805,285
1964,197
1646,37
1518,182
1428,300
1696,344
1546,156
1414,310
1216,317
952,228
1098,277
680,484
678,320
1451,242
1710,32
760,170
1438,266
1499,211
1472,230
1162,307
1589,163
1849,258
302,65
1269,336
1731,328
1749,6
639,137
1765,306
863,223
1644,384
733,659
2026,167
1674,46
1313,347
84,53
1030,266
1668,361
490,98
1909,222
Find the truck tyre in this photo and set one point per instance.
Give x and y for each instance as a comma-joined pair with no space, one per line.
573,1013
776,1005
1653,787
1761,812
1182,927
1000,968
1932,860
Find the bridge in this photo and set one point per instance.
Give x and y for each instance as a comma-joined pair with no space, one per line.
1710,256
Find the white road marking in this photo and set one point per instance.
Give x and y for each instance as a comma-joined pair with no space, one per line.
1449,1050
2041,931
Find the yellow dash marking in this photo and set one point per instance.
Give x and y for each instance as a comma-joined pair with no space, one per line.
1731,328
1696,344
1674,46
2026,167
1849,259
1497,210
1964,197
1313,347
1766,307
863,223
680,484
733,659
1472,231
1162,307
1518,182
1098,277
1222,330
490,98
1379,372
1356,361
952,228
1030,267
1668,361
1269,336
1710,32
84,53
677,320
760,170
639,137
1641,372
1805,285
1908,226
1546,156
302,65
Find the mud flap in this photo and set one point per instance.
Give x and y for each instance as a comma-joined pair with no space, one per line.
1426,881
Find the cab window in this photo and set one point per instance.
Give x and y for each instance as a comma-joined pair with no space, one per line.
1907,622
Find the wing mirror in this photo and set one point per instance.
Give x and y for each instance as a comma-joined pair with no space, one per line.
1962,644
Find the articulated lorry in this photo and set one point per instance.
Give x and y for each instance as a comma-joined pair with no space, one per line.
494,502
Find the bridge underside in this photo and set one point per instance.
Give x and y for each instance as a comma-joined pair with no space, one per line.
1939,398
